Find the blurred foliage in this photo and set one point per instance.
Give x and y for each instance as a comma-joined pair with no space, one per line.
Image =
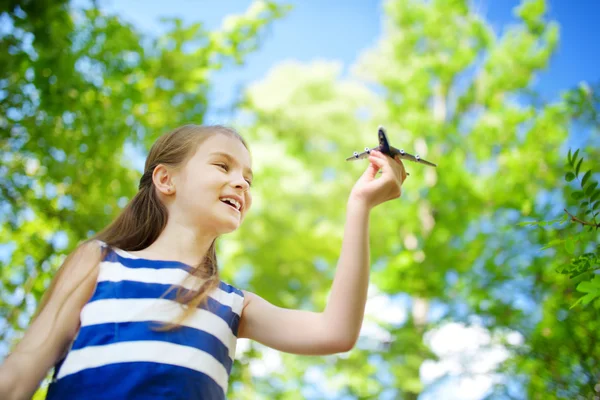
81,94
446,85
81,91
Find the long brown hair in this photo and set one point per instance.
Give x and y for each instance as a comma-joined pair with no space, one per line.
145,216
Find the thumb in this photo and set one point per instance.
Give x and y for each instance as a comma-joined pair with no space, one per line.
375,165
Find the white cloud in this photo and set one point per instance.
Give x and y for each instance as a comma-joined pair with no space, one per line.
384,308
268,364
381,308
468,355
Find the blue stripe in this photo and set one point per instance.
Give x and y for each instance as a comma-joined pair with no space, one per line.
102,334
104,290
130,381
143,263
141,290
230,289
112,256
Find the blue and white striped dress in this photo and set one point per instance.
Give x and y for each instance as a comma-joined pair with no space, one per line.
117,354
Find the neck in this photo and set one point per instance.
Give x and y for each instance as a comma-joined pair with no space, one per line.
179,242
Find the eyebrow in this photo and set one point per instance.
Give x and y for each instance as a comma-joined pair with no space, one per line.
233,160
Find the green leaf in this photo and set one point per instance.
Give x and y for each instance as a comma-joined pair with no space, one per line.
577,302
596,205
569,176
586,176
552,243
584,204
577,195
595,196
578,166
587,287
590,188
569,157
574,159
589,297
585,300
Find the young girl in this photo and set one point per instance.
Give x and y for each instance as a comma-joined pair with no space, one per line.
139,311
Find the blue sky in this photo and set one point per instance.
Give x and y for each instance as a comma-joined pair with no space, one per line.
338,30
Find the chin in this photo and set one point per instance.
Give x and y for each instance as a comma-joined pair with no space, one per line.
228,225
228,228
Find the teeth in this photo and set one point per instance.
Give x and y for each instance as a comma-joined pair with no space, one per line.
232,201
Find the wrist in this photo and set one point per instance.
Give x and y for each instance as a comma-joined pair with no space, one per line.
358,204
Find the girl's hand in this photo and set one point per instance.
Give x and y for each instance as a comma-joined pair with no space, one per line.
370,190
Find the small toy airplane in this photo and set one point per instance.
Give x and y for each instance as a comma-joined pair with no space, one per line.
385,148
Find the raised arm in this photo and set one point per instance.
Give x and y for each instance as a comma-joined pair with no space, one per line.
336,329
54,328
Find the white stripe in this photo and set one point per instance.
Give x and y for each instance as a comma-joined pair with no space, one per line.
160,310
124,253
231,299
116,272
145,351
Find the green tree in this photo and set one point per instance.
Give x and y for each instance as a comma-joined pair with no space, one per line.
80,92
443,83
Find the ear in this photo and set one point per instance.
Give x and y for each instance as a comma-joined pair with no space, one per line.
163,179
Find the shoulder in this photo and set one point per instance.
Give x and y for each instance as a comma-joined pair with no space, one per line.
83,258
231,296
255,303
230,288
77,268
77,273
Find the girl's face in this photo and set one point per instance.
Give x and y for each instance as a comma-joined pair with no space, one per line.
212,191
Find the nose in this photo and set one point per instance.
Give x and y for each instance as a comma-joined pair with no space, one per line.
239,182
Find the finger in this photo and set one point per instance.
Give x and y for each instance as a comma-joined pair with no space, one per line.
374,166
378,154
403,170
400,166
377,160
385,157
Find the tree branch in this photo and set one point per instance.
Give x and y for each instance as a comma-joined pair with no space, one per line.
574,218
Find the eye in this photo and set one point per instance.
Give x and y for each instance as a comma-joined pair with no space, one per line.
249,182
225,167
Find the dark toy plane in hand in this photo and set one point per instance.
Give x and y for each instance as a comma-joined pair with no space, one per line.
385,148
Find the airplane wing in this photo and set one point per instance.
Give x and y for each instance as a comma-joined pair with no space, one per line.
407,156
360,156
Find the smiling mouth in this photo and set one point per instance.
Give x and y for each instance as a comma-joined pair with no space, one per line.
230,205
